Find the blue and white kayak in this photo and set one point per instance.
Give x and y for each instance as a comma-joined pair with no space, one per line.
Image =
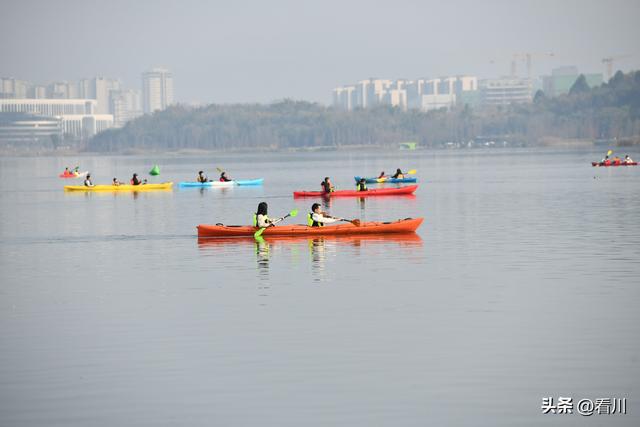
221,183
384,180
258,181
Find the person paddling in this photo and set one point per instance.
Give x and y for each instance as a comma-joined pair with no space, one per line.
224,178
398,174
382,175
327,186
115,182
317,218
261,219
135,180
67,172
362,185
202,177
628,159
87,181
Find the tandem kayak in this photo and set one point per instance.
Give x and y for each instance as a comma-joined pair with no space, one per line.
258,181
385,180
73,175
121,187
409,189
407,225
608,164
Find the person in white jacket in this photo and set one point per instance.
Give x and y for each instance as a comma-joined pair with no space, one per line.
317,218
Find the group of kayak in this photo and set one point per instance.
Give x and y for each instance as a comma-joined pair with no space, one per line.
329,190
316,219
615,161
138,184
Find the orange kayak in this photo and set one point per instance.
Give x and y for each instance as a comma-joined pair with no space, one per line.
407,225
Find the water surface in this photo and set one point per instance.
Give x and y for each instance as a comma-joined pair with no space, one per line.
521,283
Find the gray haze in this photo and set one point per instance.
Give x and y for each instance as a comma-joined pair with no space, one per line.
260,51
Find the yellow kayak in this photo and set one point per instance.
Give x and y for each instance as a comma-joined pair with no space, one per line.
121,187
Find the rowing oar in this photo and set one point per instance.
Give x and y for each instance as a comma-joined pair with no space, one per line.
293,213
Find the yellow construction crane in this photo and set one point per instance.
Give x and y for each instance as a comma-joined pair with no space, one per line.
609,63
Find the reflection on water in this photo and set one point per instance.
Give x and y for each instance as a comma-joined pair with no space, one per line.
320,249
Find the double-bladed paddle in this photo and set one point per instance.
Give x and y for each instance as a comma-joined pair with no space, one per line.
293,213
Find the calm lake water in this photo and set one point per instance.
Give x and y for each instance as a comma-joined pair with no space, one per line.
522,283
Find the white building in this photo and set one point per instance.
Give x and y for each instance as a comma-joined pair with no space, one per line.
505,91
77,115
435,102
157,89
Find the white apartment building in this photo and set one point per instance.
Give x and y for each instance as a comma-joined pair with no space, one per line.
403,93
157,89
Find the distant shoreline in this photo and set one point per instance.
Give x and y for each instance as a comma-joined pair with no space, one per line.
547,143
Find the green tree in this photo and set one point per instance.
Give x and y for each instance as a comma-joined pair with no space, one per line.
580,86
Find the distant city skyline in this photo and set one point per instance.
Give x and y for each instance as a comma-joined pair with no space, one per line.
265,51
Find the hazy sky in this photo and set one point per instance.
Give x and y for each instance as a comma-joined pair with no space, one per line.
264,50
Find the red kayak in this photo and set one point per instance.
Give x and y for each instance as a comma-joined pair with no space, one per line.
407,225
354,193
607,164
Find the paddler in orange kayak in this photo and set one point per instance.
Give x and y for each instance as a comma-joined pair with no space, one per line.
318,218
260,218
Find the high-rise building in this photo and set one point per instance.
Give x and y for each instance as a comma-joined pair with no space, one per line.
99,88
157,89
344,98
13,88
125,106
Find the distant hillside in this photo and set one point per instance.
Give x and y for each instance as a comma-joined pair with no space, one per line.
606,112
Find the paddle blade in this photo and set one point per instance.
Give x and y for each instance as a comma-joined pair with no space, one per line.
293,213
610,152
412,172
355,222
155,171
219,170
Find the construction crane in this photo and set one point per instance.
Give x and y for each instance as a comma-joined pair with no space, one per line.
609,63
527,56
